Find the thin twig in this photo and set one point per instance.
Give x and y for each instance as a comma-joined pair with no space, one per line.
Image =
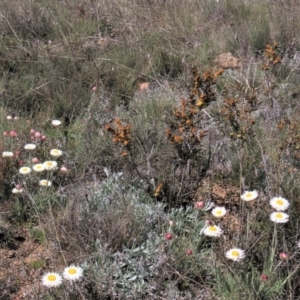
12,29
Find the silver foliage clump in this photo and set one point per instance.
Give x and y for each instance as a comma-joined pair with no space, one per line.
114,193
131,271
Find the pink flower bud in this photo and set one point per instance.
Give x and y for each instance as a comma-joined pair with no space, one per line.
263,277
18,186
35,160
189,252
32,131
13,133
208,222
199,204
283,256
6,133
43,138
168,236
37,134
64,170
32,138
94,89
171,223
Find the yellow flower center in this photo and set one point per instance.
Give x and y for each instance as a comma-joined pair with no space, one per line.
72,271
279,202
279,216
51,277
249,195
235,253
49,163
218,212
212,228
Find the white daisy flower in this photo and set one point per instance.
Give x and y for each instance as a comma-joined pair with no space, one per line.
51,280
249,195
7,154
56,152
279,217
72,273
25,170
279,203
38,168
9,117
17,191
45,182
212,230
219,211
235,254
50,165
56,123
29,146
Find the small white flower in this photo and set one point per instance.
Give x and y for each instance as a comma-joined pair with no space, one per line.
25,170
29,146
9,117
56,152
17,191
279,203
235,254
7,154
219,211
212,230
72,273
279,217
38,168
51,280
249,195
56,123
45,182
50,165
